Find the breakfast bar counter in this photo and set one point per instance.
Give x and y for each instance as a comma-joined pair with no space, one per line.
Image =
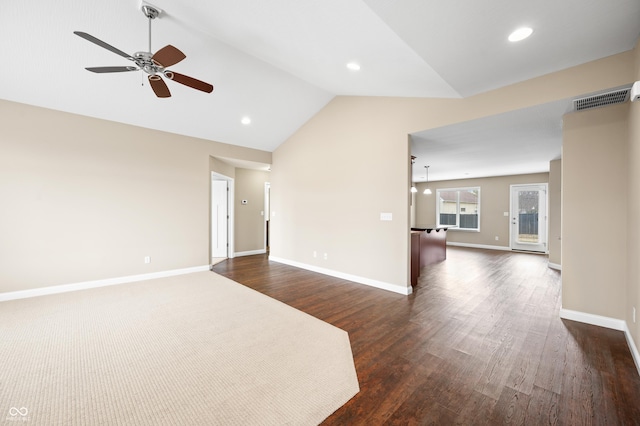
428,246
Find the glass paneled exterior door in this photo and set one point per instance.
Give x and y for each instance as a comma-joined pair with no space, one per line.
529,217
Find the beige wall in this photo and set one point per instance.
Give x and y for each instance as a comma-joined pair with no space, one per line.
86,199
633,224
331,181
350,162
221,168
495,194
249,218
594,203
555,212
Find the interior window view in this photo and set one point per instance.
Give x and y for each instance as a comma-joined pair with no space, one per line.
320,213
459,208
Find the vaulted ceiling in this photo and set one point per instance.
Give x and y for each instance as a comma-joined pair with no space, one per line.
280,61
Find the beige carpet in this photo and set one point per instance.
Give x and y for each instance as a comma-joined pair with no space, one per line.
192,349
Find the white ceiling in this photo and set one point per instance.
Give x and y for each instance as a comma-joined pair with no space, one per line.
281,61
513,143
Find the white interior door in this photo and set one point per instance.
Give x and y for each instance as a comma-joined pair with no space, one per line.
529,217
219,218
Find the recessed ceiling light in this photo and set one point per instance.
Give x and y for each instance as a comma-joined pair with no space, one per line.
353,66
246,121
520,34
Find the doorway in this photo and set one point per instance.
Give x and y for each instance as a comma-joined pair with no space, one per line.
528,218
221,217
267,215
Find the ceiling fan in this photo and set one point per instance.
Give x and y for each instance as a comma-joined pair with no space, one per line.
153,64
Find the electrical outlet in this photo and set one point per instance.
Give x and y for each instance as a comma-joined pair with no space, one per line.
147,259
315,253
634,314
497,238
326,256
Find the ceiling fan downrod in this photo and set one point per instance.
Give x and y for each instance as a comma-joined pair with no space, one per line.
143,59
151,13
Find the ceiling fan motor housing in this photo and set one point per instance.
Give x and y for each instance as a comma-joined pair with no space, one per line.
146,64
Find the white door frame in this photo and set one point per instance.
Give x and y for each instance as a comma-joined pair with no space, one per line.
219,218
543,223
267,210
230,213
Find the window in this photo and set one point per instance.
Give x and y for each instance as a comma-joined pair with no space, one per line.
459,207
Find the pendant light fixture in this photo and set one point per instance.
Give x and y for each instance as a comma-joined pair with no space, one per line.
413,187
427,191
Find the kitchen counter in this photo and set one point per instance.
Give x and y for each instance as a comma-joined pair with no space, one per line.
428,246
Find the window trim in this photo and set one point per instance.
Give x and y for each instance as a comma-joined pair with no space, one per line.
458,190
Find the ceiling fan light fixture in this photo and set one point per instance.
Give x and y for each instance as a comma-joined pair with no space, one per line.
520,34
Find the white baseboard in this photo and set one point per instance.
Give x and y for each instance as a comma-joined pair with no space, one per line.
606,322
632,346
249,253
64,288
489,247
478,246
360,280
555,266
612,323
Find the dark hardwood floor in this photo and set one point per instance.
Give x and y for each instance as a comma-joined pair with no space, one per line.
479,342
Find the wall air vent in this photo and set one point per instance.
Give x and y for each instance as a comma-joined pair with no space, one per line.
602,99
